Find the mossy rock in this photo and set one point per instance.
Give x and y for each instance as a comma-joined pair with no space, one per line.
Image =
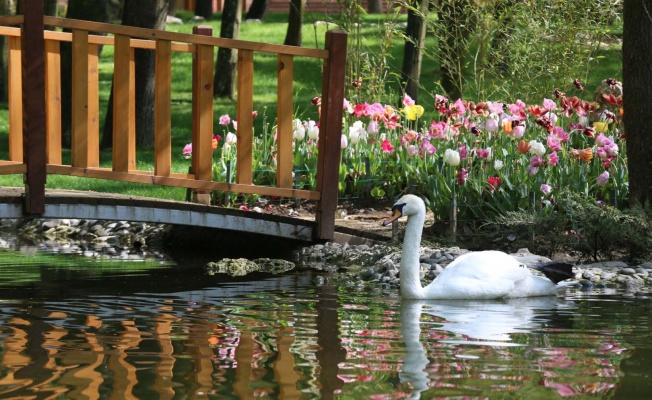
274,265
242,266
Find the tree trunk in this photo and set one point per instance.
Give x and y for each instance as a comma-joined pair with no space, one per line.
637,97
295,21
412,55
257,10
375,7
89,10
204,9
144,14
452,45
227,59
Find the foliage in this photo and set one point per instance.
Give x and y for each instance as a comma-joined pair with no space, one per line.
497,48
593,229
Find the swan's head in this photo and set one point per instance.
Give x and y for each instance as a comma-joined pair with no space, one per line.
407,205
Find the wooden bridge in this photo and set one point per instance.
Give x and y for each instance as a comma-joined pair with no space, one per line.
34,137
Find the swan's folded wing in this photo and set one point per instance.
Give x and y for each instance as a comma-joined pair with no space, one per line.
481,282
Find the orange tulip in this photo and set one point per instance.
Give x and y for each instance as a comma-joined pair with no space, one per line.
584,154
523,147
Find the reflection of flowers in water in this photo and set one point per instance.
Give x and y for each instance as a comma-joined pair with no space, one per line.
574,371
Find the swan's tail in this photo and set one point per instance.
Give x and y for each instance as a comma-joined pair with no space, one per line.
556,271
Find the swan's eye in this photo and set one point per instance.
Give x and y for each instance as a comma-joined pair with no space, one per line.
398,207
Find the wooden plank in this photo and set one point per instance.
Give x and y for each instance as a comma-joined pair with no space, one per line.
163,109
80,98
93,142
15,93
202,135
12,19
105,173
330,133
245,117
10,169
34,119
53,101
123,102
7,31
284,116
143,33
108,40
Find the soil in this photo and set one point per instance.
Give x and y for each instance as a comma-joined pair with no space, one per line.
360,217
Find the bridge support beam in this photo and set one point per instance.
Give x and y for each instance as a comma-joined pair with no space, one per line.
330,133
34,123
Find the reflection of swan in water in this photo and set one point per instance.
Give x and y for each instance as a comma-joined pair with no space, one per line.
481,322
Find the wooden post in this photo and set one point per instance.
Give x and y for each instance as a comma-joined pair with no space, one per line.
330,133
34,122
202,113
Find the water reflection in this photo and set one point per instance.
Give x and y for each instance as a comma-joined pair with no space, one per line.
283,337
490,339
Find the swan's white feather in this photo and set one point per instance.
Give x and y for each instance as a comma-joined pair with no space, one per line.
475,275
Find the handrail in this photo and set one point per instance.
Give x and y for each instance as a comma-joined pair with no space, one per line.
85,117
154,34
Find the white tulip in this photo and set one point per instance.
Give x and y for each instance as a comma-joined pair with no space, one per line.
452,157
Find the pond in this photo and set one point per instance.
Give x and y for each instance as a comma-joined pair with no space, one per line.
80,329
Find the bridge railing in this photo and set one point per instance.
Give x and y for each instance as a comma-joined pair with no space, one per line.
35,148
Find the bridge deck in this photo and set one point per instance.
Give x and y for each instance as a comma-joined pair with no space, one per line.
108,206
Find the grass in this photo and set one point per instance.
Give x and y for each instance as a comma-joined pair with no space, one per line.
307,84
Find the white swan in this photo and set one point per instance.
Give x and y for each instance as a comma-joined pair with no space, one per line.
475,275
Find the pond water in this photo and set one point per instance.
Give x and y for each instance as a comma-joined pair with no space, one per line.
88,330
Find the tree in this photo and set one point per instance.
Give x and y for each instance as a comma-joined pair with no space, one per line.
637,97
204,9
227,59
295,22
89,10
144,14
415,35
455,16
257,10
375,6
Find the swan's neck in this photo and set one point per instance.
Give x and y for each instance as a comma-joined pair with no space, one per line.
410,267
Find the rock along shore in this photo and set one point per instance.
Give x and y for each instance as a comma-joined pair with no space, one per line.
359,266
378,265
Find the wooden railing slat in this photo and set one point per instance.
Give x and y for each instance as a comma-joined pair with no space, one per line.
93,144
245,118
15,93
123,103
162,109
80,98
202,129
53,101
285,109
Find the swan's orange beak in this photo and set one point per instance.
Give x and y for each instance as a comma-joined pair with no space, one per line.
396,214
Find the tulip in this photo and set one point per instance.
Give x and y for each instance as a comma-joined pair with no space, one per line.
452,157
546,189
412,150
231,138
498,165
491,124
344,143
603,178
600,126
519,131
225,119
387,147
537,148
523,147
553,158
187,151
